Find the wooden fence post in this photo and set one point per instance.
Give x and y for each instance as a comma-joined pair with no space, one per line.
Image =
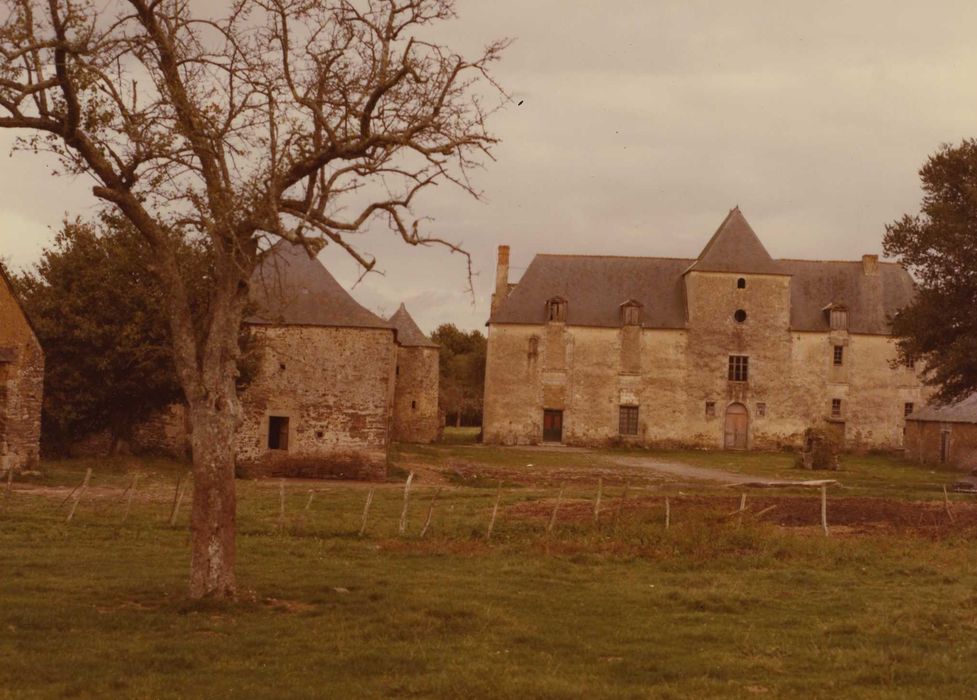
600,491
742,509
81,492
308,503
131,492
824,508
495,512
556,508
403,513
946,504
430,513
366,510
181,489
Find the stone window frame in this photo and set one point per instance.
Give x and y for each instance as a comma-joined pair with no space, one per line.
761,409
907,408
556,310
627,419
837,408
839,356
739,368
266,429
710,409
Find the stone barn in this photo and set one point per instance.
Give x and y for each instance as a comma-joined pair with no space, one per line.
416,414
21,383
731,348
321,400
944,434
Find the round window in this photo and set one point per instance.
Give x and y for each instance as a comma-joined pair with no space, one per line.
740,315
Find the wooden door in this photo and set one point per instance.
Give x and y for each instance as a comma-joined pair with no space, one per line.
552,425
737,422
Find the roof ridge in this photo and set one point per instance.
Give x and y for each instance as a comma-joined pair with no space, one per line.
620,257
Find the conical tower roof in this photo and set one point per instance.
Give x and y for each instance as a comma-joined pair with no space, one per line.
290,288
408,332
736,248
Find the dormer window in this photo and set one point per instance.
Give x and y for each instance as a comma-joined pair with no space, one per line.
556,310
631,313
837,317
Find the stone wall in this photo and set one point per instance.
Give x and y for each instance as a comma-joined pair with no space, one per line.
21,384
924,439
335,387
415,410
671,376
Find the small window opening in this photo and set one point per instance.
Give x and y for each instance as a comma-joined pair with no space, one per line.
839,358
533,346
710,409
556,310
319,434
907,408
741,283
281,366
739,368
740,315
277,433
911,362
628,420
413,405
397,373
761,410
836,408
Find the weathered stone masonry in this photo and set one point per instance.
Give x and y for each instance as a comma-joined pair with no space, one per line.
599,340
21,383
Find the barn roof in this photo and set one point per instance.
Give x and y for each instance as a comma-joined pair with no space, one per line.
963,411
595,286
290,288
408,333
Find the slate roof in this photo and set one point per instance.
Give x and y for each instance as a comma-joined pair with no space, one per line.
408,333
734,247
289,288
595,286
964,411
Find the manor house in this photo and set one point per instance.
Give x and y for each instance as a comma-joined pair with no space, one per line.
731,349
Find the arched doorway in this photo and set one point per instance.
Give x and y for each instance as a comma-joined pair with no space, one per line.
737,423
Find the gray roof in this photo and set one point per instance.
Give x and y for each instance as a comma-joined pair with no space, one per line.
596,286
871,300
408,333
964,411
734,247
290,288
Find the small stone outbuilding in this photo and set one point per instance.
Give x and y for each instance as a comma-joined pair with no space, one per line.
321,399
21,383
416,416
944,435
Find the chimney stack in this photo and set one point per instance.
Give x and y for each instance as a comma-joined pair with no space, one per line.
501,278
870,264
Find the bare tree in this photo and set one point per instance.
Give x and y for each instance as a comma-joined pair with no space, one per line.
298,119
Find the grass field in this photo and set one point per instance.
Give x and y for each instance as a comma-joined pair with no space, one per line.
713,606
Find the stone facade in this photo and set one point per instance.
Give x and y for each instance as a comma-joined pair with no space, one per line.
21,384
640,350
416,413
944,435
329,391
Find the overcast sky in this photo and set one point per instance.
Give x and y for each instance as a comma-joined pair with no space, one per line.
642,123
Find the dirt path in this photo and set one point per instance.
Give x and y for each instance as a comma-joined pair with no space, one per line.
687,471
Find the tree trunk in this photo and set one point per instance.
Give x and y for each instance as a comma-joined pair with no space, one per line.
212,519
